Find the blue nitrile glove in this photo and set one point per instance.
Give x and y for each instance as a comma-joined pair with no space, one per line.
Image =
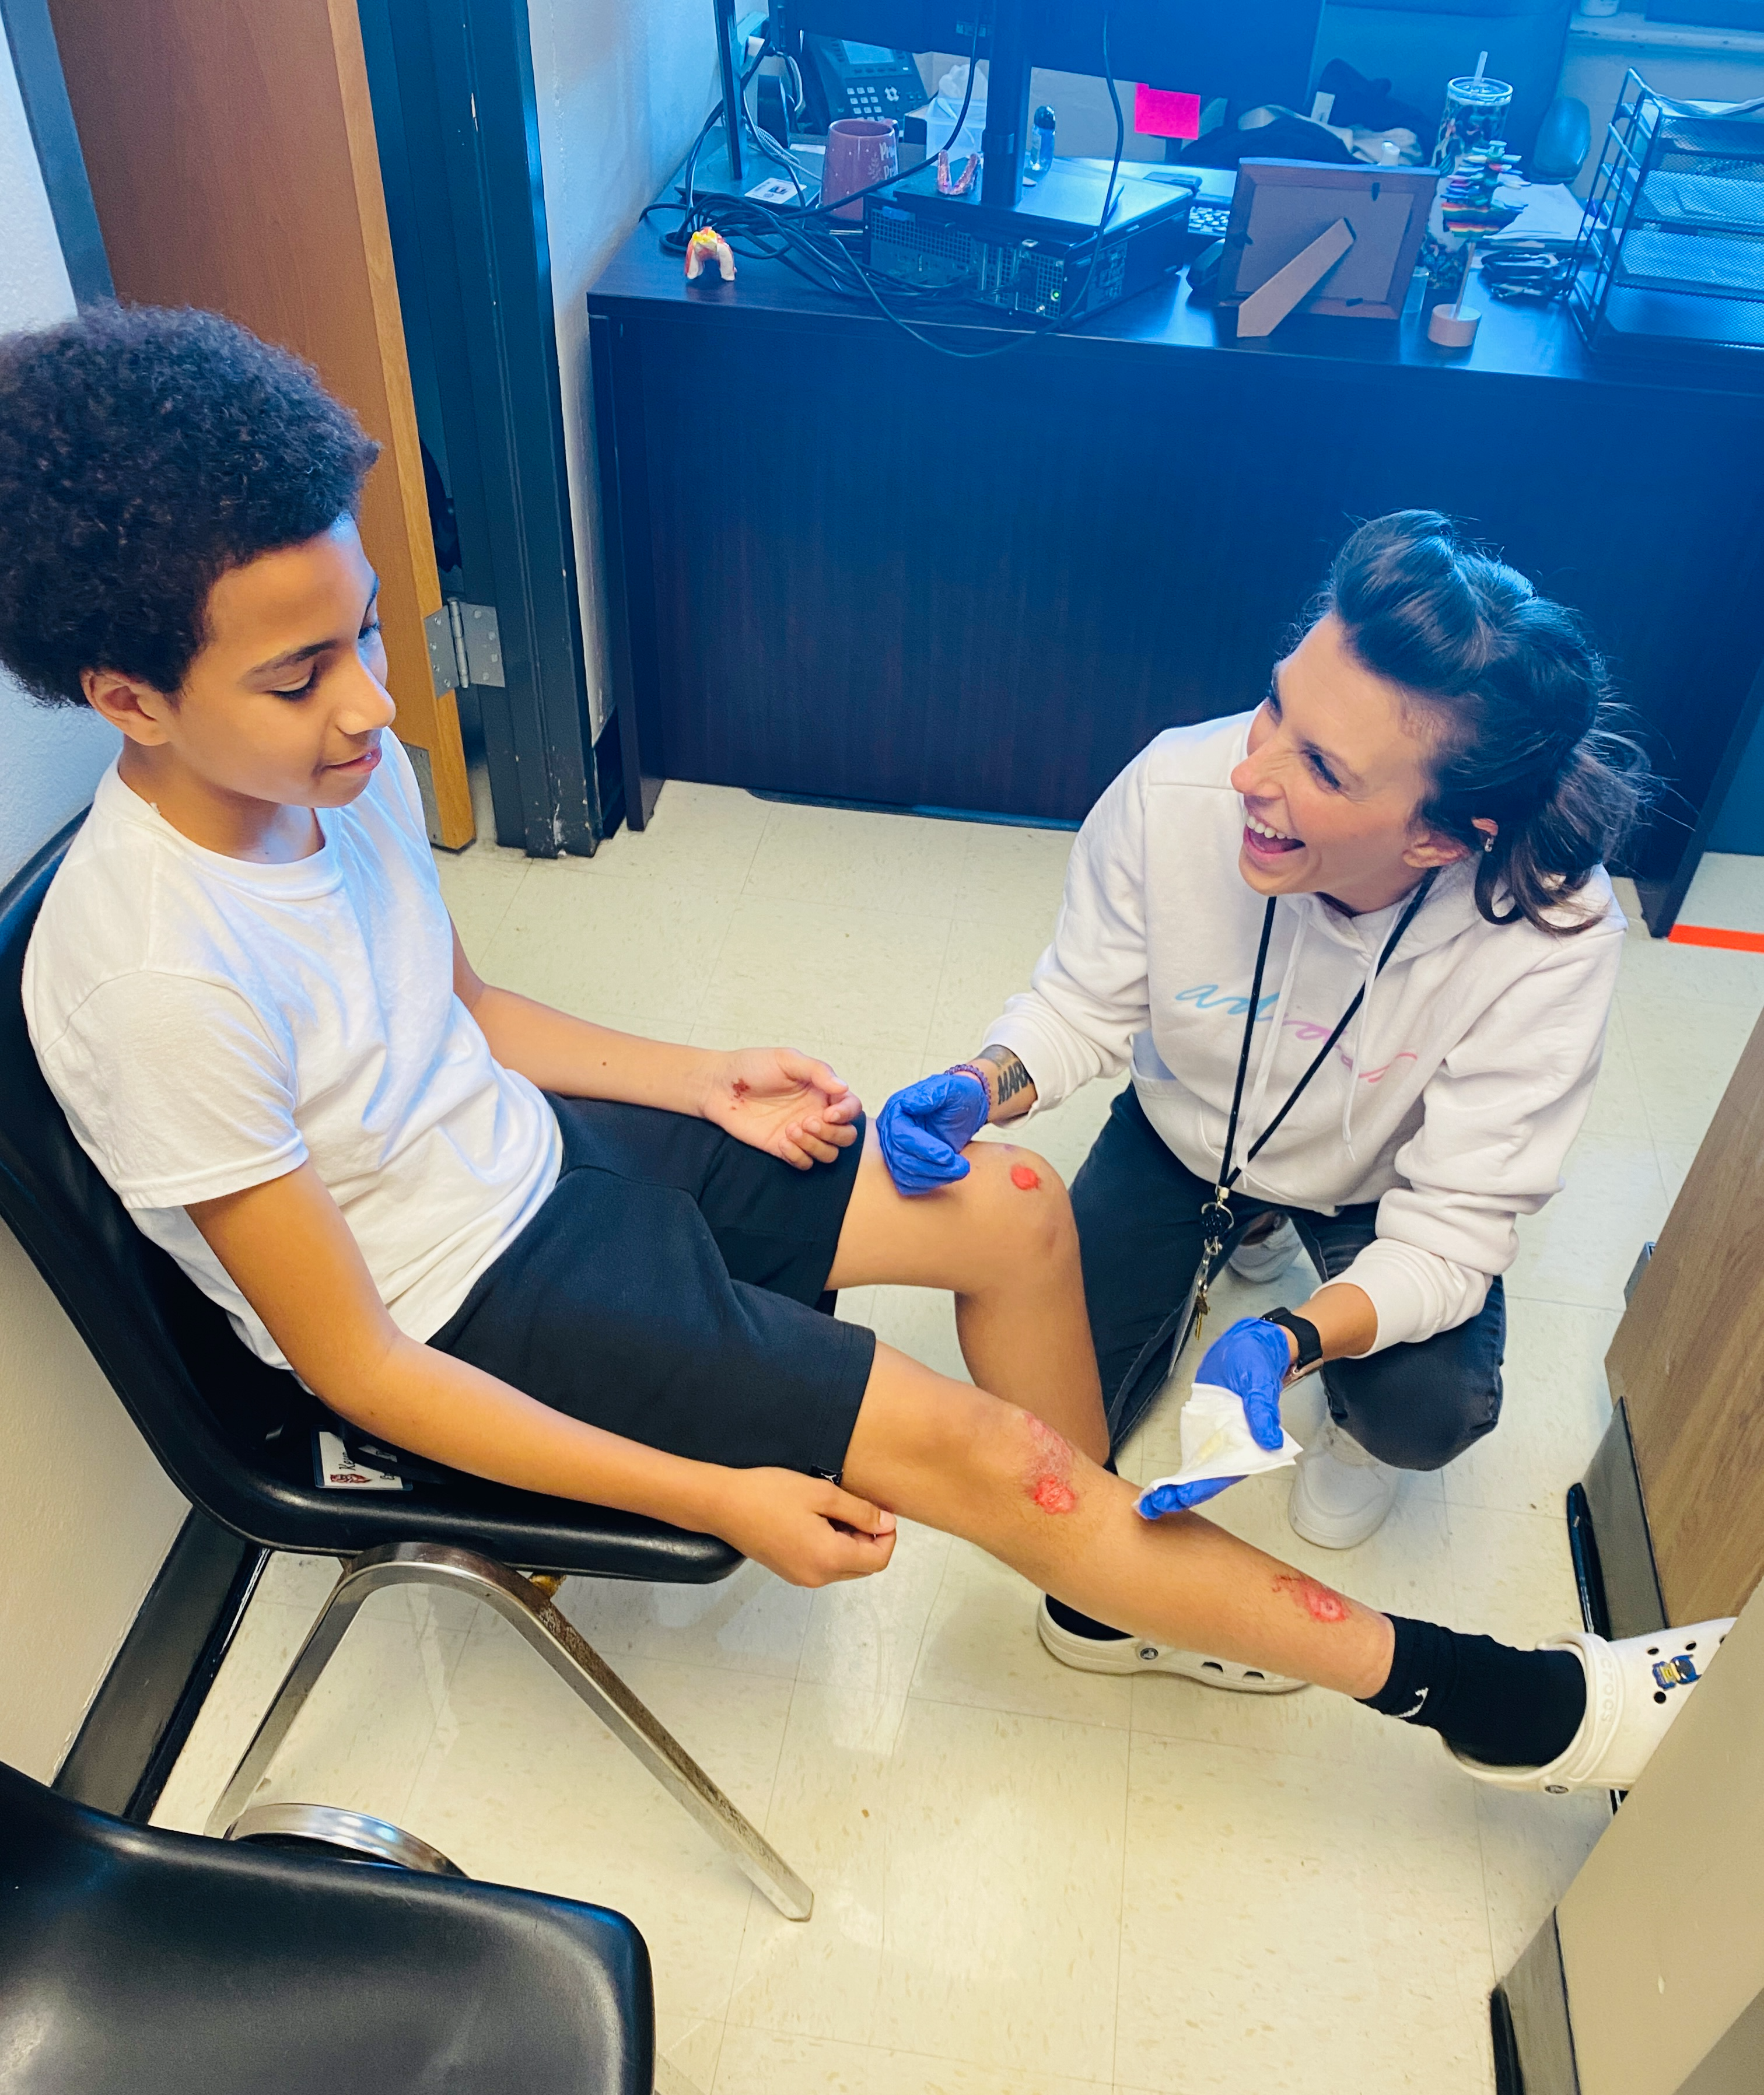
1251,1358
1181,1498
924,1129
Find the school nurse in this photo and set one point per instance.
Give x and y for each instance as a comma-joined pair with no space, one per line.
1358,947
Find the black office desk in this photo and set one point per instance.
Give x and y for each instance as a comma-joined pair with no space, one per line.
839,564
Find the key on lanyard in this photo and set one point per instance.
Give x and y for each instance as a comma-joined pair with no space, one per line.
1215,1225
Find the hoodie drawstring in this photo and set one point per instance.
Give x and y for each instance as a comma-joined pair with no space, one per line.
1376,957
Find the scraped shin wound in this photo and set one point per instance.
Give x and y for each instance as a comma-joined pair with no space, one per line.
1319,1601
1049,1483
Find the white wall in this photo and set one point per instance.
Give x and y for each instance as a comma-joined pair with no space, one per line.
1675,58
85,1514
622,86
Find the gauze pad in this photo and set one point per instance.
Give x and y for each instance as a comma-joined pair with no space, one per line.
1217,1442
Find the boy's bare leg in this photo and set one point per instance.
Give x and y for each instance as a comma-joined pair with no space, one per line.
1012,1465
958,1459
1006,1248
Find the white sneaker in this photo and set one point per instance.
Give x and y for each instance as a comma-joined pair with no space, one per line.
1133,1654
1268,1259
1634,1691
1340,1494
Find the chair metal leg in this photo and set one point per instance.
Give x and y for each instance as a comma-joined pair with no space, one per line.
529,1610
360,1578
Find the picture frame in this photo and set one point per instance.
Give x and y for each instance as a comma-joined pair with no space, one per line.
1282,207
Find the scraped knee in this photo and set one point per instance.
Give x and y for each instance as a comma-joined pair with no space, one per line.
1005,1454
1023,1200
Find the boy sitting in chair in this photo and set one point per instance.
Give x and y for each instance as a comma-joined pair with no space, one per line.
517,1243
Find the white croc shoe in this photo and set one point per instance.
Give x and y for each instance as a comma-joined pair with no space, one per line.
1340,1494
1258,1263
1134,1654
1635,1690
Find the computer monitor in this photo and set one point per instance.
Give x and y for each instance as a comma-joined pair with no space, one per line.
901,25
1247,50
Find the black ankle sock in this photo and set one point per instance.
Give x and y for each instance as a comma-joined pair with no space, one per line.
1511,1709
1069,1618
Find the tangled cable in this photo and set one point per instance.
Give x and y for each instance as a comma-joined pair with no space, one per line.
804,239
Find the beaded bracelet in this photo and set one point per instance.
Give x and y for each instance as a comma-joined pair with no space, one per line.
972,1069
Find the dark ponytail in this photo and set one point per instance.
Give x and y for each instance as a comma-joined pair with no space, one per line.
1530,737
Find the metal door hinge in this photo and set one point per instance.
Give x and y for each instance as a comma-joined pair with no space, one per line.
479,641
465,646
444,668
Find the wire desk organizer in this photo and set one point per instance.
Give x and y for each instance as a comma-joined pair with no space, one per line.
1671,250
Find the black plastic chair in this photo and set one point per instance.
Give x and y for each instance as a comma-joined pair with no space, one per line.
134,1962
236,1437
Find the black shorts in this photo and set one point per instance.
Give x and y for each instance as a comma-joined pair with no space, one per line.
666,1292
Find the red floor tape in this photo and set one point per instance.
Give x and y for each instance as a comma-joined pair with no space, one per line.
1706,934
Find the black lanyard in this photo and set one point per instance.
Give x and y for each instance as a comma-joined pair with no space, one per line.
1216,1213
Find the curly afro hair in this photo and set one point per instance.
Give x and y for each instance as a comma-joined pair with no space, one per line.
143,453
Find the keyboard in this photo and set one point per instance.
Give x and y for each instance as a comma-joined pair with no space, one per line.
1211,221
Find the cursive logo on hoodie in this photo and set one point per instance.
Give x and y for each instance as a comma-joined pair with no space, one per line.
1208,996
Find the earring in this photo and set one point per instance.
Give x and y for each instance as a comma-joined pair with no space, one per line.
1488,842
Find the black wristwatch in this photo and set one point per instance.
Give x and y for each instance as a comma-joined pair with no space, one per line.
1306,1337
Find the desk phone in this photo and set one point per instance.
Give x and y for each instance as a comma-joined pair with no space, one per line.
841,78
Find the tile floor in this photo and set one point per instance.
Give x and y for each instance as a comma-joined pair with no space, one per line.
1029,1882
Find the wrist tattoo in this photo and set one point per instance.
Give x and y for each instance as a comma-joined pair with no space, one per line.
1013,1077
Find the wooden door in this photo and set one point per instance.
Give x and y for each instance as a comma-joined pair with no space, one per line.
230,145
1687,1362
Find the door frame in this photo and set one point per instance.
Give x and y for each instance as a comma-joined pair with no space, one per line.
43,89
457,121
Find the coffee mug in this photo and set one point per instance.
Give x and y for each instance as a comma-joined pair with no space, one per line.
860,149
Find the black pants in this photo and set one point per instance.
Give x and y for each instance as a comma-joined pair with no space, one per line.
1138,1217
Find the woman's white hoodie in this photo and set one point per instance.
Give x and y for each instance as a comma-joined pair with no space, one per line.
1451,1099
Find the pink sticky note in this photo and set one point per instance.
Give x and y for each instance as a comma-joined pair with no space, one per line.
1160,112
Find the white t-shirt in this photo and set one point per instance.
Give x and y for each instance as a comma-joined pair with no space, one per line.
209,1023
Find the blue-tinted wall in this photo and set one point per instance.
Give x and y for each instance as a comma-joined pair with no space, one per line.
1739,826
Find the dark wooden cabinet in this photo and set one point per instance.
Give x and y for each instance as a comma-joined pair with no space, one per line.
842,564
